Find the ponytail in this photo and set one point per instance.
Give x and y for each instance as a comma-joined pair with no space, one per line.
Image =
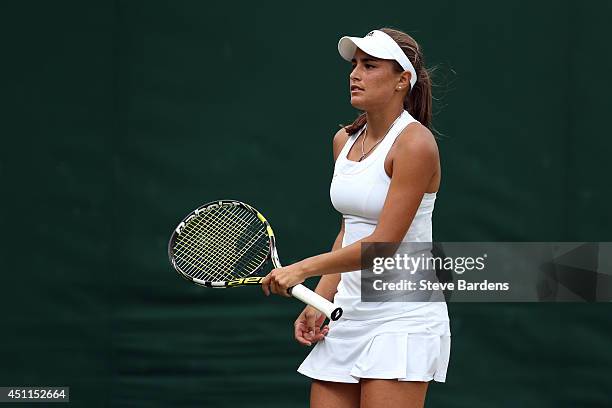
418,101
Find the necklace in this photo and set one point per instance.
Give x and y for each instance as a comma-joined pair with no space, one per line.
365,134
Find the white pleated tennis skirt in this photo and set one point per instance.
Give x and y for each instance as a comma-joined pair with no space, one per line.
389,348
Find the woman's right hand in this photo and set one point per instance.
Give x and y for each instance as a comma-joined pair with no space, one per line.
307,327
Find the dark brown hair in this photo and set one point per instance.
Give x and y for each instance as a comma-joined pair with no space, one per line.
418,101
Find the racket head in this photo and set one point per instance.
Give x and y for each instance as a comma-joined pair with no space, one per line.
221,244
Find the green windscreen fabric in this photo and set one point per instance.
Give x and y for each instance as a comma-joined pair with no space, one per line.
122,116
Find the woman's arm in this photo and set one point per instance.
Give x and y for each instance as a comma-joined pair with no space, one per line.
415,163
307,328
328,284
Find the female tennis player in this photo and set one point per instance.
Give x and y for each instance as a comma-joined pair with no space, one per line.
386,175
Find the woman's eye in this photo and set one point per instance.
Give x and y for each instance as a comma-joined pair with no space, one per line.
367,66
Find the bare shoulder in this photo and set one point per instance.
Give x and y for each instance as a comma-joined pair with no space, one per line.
340,139
416,141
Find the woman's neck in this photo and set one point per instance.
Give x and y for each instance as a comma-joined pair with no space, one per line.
379,122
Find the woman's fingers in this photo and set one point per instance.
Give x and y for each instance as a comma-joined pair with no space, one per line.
270,284
308,327
299,334
265,285
320,320
311,320
276,289
320,334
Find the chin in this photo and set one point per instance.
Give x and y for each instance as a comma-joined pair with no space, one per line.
358,103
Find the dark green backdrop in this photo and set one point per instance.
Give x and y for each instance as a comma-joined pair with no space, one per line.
121,116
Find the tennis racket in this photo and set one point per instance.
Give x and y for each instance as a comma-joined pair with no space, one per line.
224,243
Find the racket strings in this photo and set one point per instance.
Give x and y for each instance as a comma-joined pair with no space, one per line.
252,229
222,243
250,248
202,244
194,247
204,256
242,225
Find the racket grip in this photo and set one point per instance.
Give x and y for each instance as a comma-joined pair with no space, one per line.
317,301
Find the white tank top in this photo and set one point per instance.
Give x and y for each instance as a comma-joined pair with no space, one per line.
358,191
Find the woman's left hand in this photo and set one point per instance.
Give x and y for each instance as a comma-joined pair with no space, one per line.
279,280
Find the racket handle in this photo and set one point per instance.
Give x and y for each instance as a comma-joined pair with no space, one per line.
317,301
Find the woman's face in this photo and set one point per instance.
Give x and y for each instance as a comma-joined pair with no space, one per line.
372,81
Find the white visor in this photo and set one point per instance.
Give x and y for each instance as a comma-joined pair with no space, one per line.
380,45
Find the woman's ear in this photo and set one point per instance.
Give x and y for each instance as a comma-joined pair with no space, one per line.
404,81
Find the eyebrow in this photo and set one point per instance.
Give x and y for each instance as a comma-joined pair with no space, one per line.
366,60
